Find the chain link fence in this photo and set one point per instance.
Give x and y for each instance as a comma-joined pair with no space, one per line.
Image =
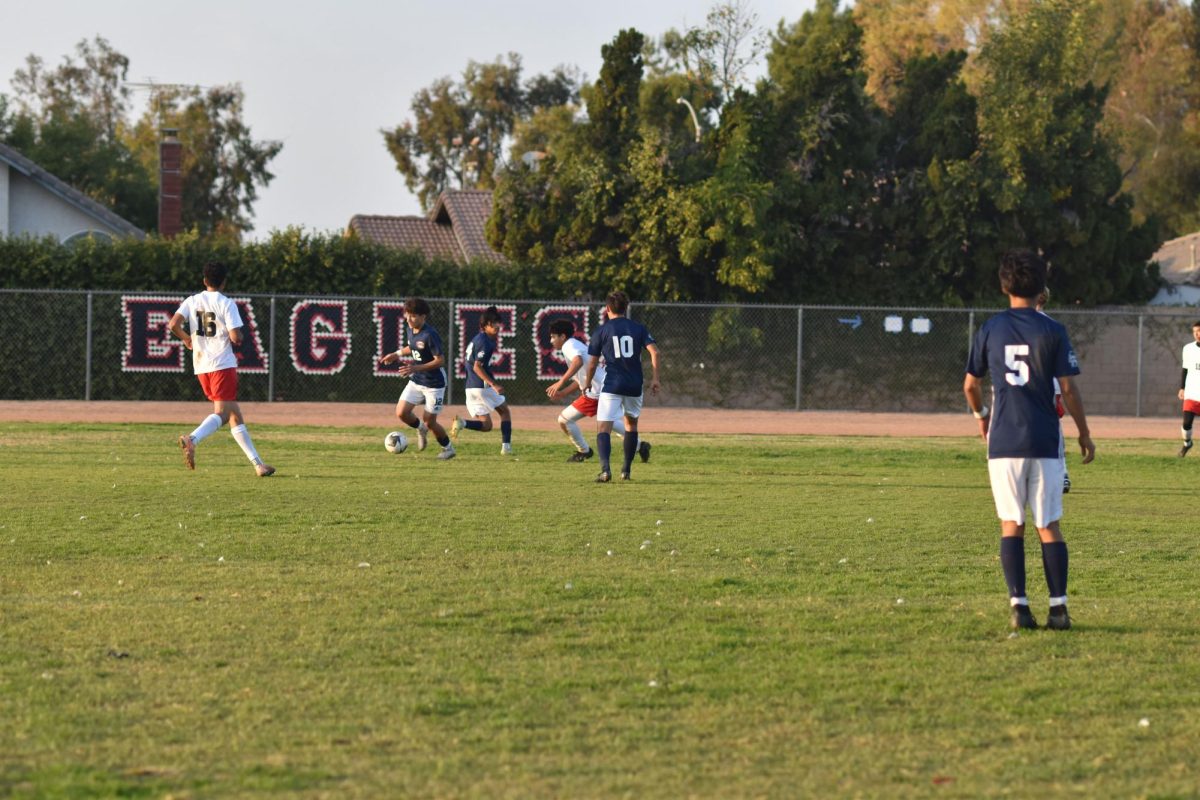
116,346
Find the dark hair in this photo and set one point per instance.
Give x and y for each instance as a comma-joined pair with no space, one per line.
215,274
618,301
564,327
417,305
490,316
1022,273
1196,324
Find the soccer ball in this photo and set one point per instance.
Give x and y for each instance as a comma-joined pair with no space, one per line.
395,442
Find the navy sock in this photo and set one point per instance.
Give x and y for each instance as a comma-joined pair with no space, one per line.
1012,559
631,444
416,424
506,431
1054,559
604,448
443,440
473,425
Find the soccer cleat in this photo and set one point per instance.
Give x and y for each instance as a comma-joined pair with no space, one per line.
624,476
447,453
1186,446
604,477
1066,483
189,451
644,451
456,427
264,470
506,449
422,436
1022,617
1059,619
578,457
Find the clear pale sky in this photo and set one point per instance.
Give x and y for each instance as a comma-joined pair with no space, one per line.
324,78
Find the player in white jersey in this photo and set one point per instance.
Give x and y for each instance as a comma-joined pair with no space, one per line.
1189,387
562,337
209,325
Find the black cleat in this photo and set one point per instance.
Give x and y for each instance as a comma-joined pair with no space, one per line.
604,477
644,451
1059,619
1022,617
1066,483
1186,446
624,476
579,458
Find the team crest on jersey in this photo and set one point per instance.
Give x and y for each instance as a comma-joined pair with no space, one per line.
421,345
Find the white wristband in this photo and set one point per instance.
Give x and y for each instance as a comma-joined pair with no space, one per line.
982,413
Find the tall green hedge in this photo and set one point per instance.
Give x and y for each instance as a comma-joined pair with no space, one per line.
291,261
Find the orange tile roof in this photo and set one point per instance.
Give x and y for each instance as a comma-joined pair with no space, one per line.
453,230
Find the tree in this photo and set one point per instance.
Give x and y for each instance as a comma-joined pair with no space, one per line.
461,130
223,166
718,55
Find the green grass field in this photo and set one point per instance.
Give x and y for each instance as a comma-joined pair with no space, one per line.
751,616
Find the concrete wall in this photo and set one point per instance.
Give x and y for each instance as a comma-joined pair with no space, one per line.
34,211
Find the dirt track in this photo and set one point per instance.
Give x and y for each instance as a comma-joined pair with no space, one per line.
655,419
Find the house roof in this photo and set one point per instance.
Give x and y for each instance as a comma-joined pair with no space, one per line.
1179,260
68,193
453,229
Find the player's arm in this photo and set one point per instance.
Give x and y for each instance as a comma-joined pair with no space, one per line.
558,390
392,358
416,366
483,376
176,326
1074,403
655,384
973,389
235,335
591,371
1182,383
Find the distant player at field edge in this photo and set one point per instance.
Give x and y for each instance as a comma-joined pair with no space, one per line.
574,352
1189,387
1024,351
620,342
209,325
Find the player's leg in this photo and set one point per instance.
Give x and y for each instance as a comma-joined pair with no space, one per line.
608,409
632,409
410,399
1008,491
479,411
229,409
1045,500
433,407
1186,430
568,421
505,415
210,383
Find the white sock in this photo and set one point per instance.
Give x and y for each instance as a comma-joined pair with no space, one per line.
242,437
575,434
207,428
619,427
1058,601
1187,434
1019,601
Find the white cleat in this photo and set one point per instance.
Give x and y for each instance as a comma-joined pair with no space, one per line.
264,470
447,453
506,449
456,428
422,436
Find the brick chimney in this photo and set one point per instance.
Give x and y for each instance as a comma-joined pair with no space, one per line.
170,184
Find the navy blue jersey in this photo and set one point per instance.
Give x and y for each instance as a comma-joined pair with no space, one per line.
426,346
1025,351
479,351
621,341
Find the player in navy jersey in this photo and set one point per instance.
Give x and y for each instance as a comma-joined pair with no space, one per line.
484,395
427,378
620,342
1025,351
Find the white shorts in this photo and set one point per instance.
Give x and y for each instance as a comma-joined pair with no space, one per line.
614,406
1036,482
481,402
417,395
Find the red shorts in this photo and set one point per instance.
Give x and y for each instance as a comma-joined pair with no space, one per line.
219,385
586,405
1059,407
1192,406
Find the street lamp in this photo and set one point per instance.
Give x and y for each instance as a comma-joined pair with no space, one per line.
692,111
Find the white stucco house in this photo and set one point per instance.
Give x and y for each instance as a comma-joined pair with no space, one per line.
1179,261
35,203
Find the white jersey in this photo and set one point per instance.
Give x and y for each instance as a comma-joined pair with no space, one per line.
1191,362
573,347
209,317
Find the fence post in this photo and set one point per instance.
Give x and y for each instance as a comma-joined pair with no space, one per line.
271,356
799,355
1138,407
87,359
970,329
